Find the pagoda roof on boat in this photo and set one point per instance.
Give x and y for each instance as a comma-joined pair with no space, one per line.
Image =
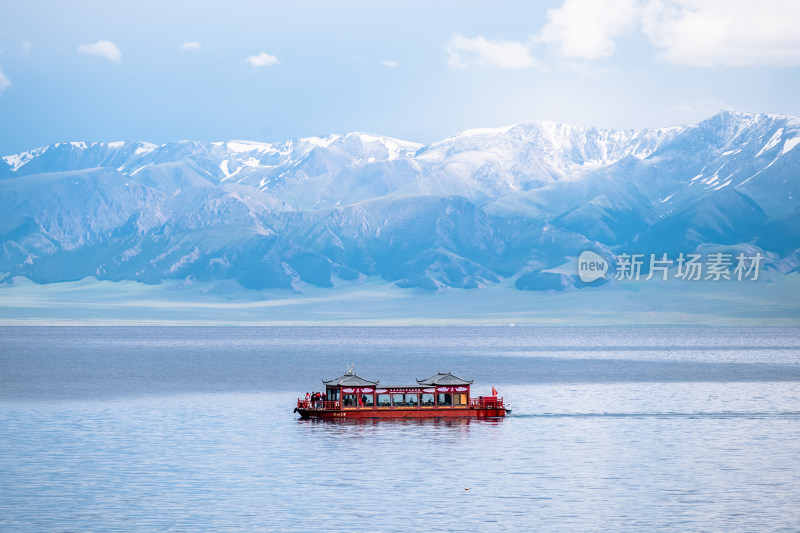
442,378
348,379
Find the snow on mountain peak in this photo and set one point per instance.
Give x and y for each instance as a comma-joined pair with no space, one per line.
322,142
485,131
246,146
476,163
15,161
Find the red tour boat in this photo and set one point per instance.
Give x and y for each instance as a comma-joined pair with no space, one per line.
441,395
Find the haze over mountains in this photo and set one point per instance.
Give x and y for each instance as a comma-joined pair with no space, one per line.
472,210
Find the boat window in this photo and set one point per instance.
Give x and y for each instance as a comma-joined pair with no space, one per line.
384,400
427,399
366,400
333,395
397,399
445,399
349,400
459,399
412,399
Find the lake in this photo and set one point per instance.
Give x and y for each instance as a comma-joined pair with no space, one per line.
192,429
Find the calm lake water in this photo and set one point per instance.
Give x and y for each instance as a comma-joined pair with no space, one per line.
191,429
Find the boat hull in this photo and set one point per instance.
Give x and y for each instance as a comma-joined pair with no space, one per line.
344,414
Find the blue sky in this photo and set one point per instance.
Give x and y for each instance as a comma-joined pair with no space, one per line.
159,71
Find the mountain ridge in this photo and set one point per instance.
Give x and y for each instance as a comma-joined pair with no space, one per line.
468,211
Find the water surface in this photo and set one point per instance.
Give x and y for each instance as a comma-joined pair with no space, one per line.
191,429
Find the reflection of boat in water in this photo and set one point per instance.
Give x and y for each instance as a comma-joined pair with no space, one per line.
440,396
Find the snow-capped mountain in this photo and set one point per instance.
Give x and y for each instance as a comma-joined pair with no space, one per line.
468,211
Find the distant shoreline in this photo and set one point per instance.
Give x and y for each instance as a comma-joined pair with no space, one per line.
379,303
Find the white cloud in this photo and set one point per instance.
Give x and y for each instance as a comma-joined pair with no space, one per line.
725,32
463,52
5,83
701,33
262,60
393,64
586,29
190,45
105,49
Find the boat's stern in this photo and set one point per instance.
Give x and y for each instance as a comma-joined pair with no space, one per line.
318,409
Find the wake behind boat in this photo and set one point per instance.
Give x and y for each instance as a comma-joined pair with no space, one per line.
441,395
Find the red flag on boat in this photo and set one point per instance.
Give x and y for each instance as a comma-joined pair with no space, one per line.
494,391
